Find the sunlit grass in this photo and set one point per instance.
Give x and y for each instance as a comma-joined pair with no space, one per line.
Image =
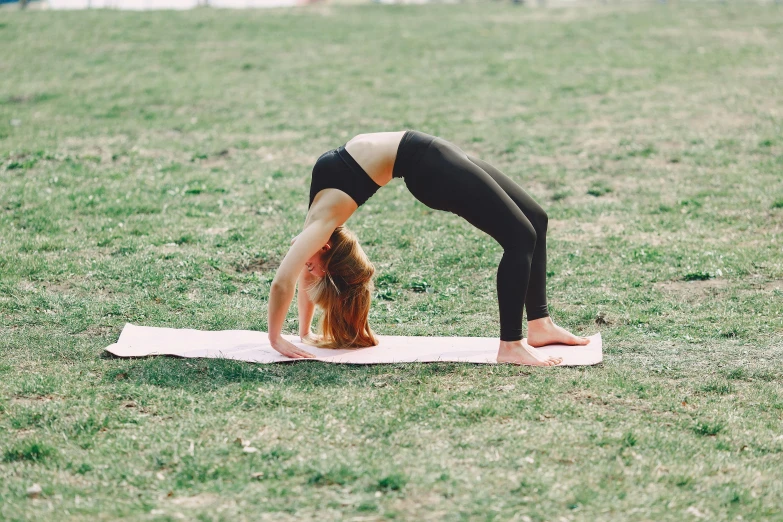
154,166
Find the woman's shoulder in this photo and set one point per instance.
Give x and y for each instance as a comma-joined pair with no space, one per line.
332,206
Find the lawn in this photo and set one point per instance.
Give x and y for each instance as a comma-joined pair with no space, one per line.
154,166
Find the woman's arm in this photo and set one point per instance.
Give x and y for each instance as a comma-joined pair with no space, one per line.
315,235
304,304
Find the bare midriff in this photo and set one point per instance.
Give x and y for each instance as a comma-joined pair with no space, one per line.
375,153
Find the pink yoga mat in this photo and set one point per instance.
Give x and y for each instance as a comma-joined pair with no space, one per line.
251,346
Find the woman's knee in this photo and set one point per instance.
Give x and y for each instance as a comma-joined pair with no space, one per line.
522,235
538,217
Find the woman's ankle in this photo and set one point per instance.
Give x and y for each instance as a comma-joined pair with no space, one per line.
541,322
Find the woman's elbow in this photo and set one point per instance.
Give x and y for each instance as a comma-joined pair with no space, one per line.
281,286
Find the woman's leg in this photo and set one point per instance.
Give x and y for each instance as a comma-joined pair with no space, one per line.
535,299
541,330
446,179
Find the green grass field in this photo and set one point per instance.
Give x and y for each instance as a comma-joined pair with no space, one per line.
154,166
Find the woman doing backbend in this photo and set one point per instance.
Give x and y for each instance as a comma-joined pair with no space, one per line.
334,273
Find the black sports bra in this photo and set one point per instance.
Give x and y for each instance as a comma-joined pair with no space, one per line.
337,169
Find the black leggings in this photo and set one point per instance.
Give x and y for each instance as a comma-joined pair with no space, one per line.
443,177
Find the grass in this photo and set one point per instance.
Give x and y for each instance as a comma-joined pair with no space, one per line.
154,166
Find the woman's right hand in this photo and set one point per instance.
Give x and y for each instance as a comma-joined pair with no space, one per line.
289,349
312,337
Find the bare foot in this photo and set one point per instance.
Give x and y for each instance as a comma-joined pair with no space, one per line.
517,352
541,332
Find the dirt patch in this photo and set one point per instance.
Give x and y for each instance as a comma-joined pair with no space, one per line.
588,396
102,294
196,501
167,248
571,162
29,401
97,146
717,120
656,239
412,503
672,32
161,154
599,122
754,36
218,158
775,285
544,160
97,331
58,288
592,399
216,230
693,290
769,72
576,230
259,264
632,73
26,286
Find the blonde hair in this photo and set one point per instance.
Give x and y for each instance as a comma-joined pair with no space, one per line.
344,294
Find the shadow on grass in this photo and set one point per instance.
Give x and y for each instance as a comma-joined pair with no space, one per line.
211,374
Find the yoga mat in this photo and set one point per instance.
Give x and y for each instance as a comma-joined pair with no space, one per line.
250,346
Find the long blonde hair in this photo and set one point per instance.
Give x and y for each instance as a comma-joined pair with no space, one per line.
344,294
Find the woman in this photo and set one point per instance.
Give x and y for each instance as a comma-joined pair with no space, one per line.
337,276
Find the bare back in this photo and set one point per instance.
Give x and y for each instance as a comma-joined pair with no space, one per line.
375,153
